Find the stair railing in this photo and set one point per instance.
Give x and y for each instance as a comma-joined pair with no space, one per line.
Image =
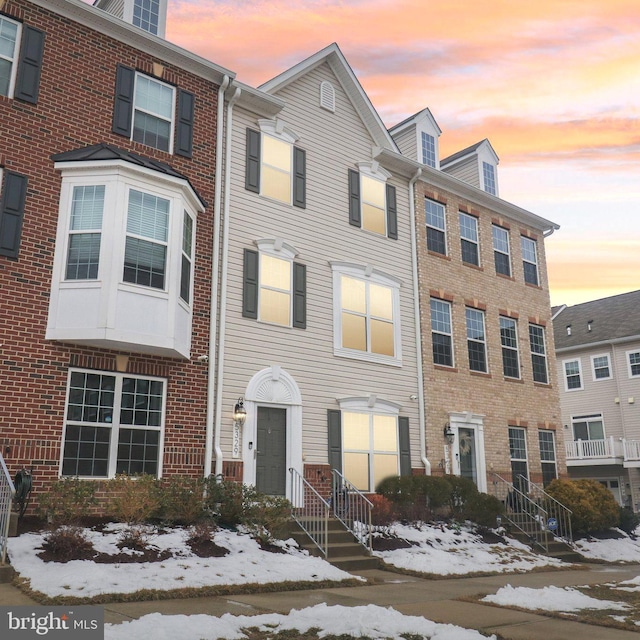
525,514
310,510
559,516
7,491
352,508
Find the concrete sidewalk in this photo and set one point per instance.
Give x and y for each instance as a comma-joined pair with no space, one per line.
435,600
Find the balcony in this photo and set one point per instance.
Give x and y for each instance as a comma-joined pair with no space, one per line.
581,453
631,453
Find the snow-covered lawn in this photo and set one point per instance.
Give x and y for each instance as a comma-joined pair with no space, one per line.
621,549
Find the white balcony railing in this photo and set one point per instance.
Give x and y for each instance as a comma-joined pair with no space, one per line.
631,450
592,449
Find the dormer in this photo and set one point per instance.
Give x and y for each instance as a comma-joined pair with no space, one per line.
417,138
149,15
477,165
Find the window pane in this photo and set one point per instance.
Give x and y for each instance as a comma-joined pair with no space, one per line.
580,431
151,131
8,34
384,465
373,191
500,239
353,295
154,97
382,337
275,307
385,433
470,252
596,430
468,227
86,451
428,150
436,241
374,219
381,302
503,266
83,256
530,273
146,15
5,77
442,352
508,335
138,451
275,273
356,430
144,263
440,316
276,153
354,332
356,470
435,214
275,184
148,216
87,206
517,444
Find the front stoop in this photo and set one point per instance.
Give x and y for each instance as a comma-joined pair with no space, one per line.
344,551
7,572
556,548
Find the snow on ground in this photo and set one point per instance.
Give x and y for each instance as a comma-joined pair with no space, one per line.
623,549
370,620
446,550
564,599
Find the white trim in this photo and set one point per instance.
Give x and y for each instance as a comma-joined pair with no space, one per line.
628,358
277,247
469,420
278,129
370,403
566,376
327,96
15,59
154,114
593,366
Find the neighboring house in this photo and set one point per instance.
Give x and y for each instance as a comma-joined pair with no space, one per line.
598,356
489,374
107,158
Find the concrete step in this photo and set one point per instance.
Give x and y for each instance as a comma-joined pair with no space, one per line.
356,563
344,550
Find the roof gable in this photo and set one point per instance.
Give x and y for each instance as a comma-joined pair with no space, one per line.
479,148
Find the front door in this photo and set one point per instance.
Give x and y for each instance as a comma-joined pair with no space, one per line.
271,467
467,453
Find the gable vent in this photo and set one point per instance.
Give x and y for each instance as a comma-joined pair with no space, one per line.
327,96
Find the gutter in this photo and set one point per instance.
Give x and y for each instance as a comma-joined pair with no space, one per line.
223,283
213,324
416,312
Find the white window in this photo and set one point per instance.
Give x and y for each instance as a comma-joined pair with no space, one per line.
373,204
469,239
9,42
275,289
153,113
518,453
146,15
588,427
501,250
601,367
634,363
186,269
509,342
113,424
530,260
538,353
476,340
546,439
436,227
85,232
572,375
489,178
441,332
428,150
276,169
366,314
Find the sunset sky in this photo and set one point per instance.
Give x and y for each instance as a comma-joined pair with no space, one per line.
555,86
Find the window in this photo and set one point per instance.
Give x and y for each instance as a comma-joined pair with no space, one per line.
366,315
113,424
428,150
372,202
436,227
83,256
538,353
547,456
529,260
469,239
9,35
509,342
589,427
518,453
601,367
146,15
634,363
275,168
572,374
186,268
146,110
476,340
489,178
501,251
441,334
274,285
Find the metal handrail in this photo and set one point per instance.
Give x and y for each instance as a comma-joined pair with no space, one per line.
310,510
556,510
7,492
352,508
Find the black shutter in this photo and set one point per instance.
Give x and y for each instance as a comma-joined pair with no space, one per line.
30,65
392,213
299,295
250,285
404,446
354,198
299,177
14,195
334,439
123,105
252,168
184,128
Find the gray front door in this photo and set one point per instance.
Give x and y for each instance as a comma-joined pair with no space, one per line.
271,464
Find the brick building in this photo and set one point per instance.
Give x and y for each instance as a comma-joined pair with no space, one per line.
108,163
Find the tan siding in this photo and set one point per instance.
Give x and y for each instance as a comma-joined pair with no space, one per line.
408,144
466,171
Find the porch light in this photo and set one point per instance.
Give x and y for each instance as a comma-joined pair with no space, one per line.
239,412
449,436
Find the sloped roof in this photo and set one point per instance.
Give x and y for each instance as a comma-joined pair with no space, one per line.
458,155
103,151
424,114
347,78
613,318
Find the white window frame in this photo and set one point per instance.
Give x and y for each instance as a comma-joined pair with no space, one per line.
14,59
429,149
162,16
504,346
532,248
476,340
496,228
489,182
372,275
594,368
567,375
115,424
540,354
554,450
464,236
171,120
280,131
630,365
373,171
444,333
594,417
442,229
276,248
145,24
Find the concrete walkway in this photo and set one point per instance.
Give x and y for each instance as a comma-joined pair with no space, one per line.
436,600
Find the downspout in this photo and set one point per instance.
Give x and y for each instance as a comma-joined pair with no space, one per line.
213,315
416,311
223,283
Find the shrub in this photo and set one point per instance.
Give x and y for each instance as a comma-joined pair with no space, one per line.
182,499
202,533
135,499
415,497
136,537
67,543
483,509
225,500
593,505
629,521
265,516
67,501
462,490
384,511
